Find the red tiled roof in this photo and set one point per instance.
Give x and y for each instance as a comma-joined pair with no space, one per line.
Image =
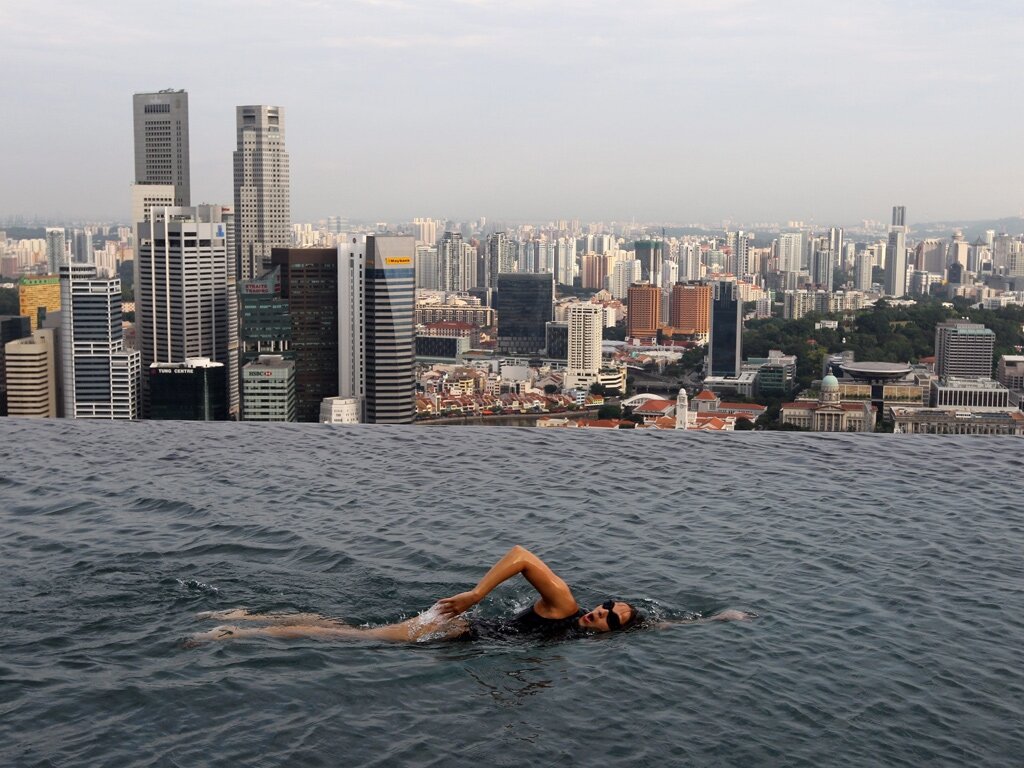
743,407
654,406
706,394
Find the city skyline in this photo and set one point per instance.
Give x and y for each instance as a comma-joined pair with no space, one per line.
689,111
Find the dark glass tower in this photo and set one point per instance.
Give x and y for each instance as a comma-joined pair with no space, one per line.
650,254
524,304
309,282
725,349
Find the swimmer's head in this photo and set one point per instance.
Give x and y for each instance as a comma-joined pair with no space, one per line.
610,616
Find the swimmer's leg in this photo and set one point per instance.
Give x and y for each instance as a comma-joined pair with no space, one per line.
288,632
427,626
241,614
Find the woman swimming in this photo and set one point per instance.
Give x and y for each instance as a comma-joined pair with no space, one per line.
556,613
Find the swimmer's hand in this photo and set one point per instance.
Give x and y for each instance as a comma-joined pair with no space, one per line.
460,603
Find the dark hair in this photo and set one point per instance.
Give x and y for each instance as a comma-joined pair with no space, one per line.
636,618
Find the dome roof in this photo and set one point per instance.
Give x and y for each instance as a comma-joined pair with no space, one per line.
830,382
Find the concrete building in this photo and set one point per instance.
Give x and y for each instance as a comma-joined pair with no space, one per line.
12,328
339,410
31,371
896,255
829,413
963,348
268,389
265,323
644,318
185,303
584,360
1010,371
690,309
650,254
969,392
35,293
390,299
100,375
624,274
194,389
262,188
56,249
161,142
955,421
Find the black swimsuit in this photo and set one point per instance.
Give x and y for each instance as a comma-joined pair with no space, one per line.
527,622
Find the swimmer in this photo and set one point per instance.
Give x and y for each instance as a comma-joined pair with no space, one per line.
555,614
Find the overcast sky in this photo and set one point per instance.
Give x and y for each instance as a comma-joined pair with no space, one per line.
673,110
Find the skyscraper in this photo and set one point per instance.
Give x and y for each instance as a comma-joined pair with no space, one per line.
586,326
456,264
309,281
790,247
896,261
56,249
352,322
650,254
161,141
191,390
725,349
524,304
100,376
963,348
390,298
182,305
644,313
268,389
32,375
501,257
38,293
690,309
739,244
266,324
262,188
12,328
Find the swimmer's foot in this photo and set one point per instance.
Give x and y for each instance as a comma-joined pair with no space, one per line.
223,632
231,614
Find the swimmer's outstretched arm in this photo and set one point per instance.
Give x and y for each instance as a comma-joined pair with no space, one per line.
556,599
726,615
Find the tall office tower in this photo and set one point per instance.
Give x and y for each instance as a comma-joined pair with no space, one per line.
862,265
352,322
586,327
689,262
161,141
390,298
556,340
644,310
963,348
12,328
426,231
592,272
896,264
565,260
32,375
603,243
56,249
191,390
309,282
931,256
977,254
268,389
263,216
1002,244
650,254
725,348
824,268
428,268
624,274
525,302
669,275
454,273
739,244
184,277
501,257
958,251
38,293
100,376
835,244
690,309
790,248
545,259
899,215
264,318
146,197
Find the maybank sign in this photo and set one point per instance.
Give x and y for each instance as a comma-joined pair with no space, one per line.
398,261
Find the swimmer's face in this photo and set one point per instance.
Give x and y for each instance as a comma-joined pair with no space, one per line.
607,616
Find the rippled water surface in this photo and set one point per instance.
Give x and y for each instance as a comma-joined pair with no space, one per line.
887,573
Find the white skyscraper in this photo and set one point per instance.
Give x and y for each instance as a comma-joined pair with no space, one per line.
624,274
31,375
182,302
262,188
790,247
161,141
586,325
100,376
739,243
896,261
351,320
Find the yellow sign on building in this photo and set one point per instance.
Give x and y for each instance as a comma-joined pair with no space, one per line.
36,292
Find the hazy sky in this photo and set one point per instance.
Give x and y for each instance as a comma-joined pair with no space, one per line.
673,110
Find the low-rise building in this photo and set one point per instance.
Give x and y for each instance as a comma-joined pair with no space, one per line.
969,392
830,413
345,410
957,421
